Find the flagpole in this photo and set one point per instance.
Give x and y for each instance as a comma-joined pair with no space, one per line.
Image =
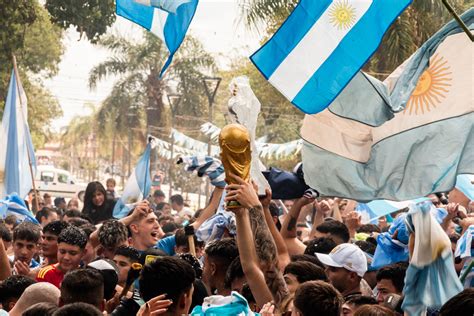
147,168
458,19
15,69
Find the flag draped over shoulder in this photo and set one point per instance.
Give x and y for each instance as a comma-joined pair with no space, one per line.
15,143
322,45
14,205
431,279
137,186
355,150
169,20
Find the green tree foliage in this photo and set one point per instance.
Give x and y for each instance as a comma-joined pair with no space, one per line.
27,32
90,17
139,64
43,108
15,18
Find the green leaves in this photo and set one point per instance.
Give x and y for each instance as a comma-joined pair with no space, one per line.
27,32
90,17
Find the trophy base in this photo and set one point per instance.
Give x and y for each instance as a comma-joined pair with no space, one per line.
233,204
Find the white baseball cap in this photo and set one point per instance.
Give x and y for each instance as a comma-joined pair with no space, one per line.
347,256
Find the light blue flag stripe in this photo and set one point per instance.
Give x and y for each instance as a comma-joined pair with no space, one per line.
137,187
174,27
135,12
379,208
12,162
351,54
14,205
464,245
465,185
270,55
17,178
389,174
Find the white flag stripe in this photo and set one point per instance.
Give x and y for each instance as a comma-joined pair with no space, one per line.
336,134
144,2
157,25
309,54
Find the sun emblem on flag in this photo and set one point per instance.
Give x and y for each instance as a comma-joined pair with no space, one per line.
431,88
342,15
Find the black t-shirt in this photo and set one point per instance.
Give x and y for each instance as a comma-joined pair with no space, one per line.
102,213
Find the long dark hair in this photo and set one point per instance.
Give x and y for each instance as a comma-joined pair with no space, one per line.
92,187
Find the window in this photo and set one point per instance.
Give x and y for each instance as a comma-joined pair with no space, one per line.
62,178
47,176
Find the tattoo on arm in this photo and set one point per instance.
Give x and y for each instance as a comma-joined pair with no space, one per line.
264,244
291,223
267,254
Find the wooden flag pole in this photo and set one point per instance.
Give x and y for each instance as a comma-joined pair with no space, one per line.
459,20
15,69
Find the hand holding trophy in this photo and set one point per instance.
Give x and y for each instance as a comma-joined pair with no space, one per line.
234,141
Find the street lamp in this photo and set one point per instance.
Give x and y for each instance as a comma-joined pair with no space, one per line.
211,84
173,100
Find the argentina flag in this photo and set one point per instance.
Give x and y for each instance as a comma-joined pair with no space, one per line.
16,145
322,45
137,186
431,279
364,155
206,165
14,205
167,19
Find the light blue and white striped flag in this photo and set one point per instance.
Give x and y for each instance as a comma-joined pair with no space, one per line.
378,208
206,165
14,205
167,19
15,143
464,246
322,45
428,142
137,186
431,279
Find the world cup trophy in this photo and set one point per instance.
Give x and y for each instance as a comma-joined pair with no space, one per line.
234,141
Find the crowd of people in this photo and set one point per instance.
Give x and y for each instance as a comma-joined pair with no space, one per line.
308,256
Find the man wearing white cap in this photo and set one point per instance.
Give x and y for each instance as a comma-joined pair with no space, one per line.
345,267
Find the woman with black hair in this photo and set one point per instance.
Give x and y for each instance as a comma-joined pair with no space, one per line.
96,206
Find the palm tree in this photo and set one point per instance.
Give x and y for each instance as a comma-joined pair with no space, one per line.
419,21
139,64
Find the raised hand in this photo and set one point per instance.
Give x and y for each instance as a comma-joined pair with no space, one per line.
156,306
243,192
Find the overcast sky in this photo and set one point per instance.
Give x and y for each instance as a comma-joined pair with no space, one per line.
215,24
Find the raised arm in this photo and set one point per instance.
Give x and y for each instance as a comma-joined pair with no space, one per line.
282,250
141,208
288,229
249,260
265,247
210,209
5,270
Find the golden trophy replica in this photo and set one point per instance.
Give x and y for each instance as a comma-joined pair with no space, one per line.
236,157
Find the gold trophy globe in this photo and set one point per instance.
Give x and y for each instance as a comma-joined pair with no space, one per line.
234,141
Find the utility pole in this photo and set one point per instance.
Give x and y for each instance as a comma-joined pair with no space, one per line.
173,101
211,84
